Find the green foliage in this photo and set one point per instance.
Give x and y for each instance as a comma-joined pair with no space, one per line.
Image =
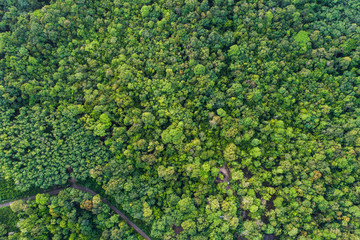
71,214
269,16
28,142
230,152
234,51
255,152
145,11
8,220
151,98
349,45
221,112
172,135
148,118
103,124
10,10
8,192
302,37
199,69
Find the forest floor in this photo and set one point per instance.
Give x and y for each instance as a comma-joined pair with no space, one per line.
87,190
225,171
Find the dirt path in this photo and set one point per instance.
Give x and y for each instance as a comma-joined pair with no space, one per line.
136,228
51,193
225,171
87,190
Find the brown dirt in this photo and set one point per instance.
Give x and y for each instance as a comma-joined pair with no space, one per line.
245,215
270,203
225,171
177,230
72,181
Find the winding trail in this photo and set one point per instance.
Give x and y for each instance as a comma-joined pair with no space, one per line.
105,201
87,190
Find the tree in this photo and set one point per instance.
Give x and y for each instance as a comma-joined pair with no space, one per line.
149,98
75,218
199,69
230,152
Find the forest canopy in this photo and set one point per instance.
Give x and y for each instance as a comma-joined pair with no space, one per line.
71,215
203,119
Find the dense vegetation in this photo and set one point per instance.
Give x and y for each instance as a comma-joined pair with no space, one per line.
71,214
8,192
151,98
8,220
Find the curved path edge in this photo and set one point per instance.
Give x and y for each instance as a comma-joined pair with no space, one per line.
87,190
